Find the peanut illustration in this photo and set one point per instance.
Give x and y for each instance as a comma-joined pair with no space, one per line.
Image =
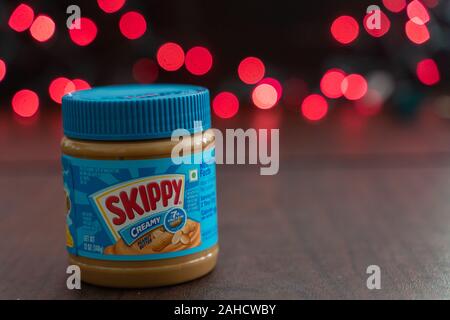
185,239
180,237
156,234
163,240
188,227
177,237
159,241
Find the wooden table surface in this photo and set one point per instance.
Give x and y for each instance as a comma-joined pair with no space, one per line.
350,193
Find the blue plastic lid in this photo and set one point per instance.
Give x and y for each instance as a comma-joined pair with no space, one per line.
135,112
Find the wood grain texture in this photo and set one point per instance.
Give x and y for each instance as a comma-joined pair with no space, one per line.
336,206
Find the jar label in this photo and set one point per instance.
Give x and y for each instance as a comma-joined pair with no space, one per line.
140,209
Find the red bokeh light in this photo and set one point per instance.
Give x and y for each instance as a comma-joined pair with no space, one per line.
264,96
417,33
86,34
417,12
42,28
345,29
330,85
314,107
370,104
110,6
81,84
2,69
59,87
21,18
354,86
385,24
251,70
225,105
274,83
428,72
395,5
145,71
132,25
25,103
170,56
198,61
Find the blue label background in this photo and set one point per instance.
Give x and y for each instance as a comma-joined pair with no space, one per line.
84,177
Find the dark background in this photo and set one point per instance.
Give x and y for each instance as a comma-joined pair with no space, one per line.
291,37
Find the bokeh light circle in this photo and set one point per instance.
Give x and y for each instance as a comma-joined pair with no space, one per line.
110,6
382,82
274,83
85,34
21,18
81,84
370,104
132,25
170,56
385,24
431,3
428,72
145,71
225,105
417,12
42,28
251,70
264,96
417,33
60,87
330,85
25,103
345,29
354,86
395,5
198,60
2,69
314,107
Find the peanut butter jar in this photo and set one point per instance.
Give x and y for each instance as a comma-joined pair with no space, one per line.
140,185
